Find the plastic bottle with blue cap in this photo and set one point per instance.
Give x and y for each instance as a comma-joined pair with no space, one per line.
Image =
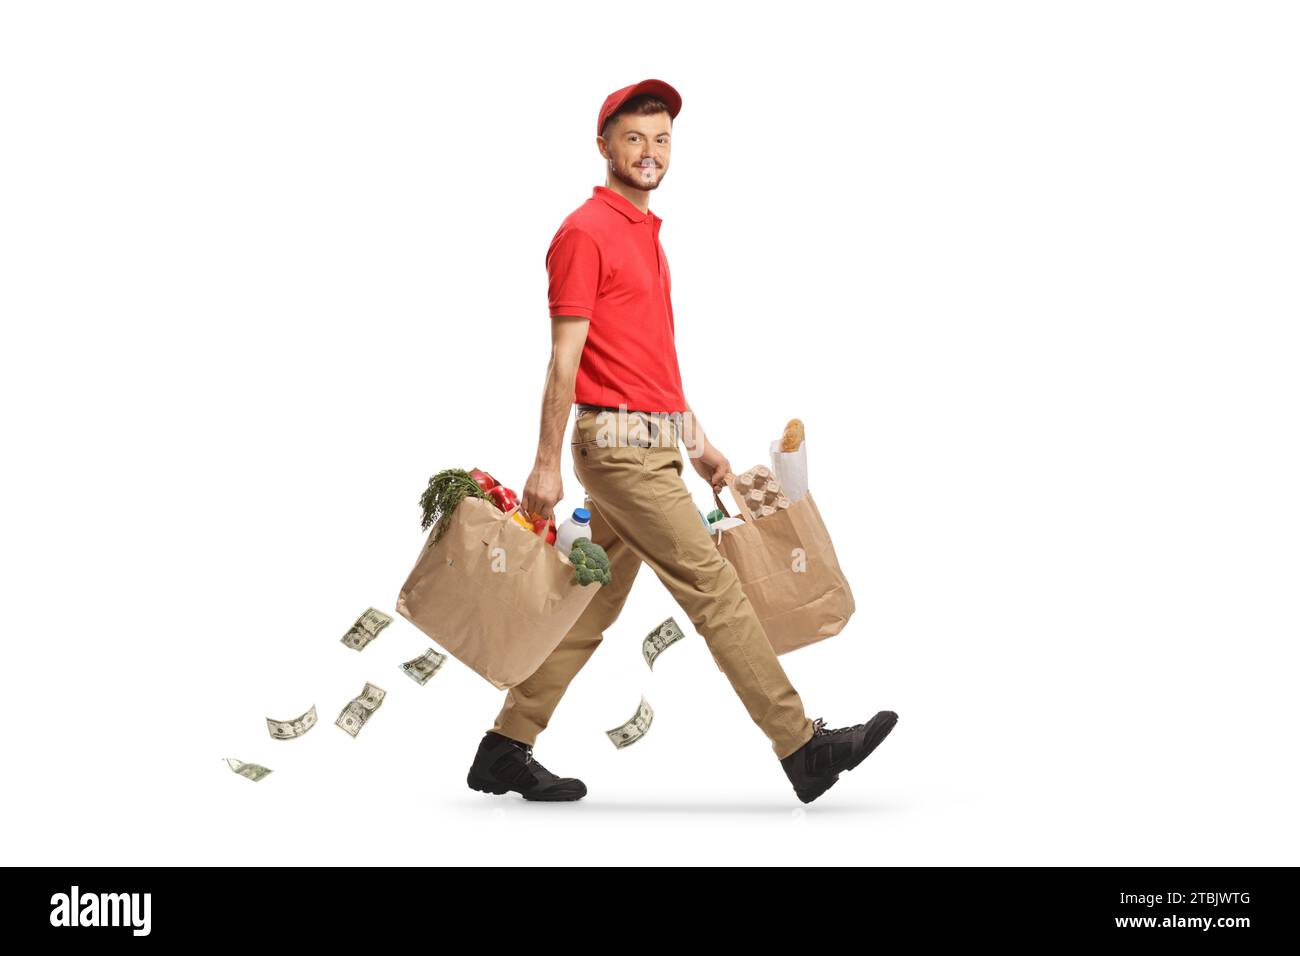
579,526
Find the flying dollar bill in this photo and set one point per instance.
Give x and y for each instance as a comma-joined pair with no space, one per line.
252,771
366,628
289,729
423,667
659,640
360,709
634,729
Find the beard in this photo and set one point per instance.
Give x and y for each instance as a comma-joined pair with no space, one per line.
634,179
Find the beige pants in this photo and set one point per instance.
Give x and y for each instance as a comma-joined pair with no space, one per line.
631,469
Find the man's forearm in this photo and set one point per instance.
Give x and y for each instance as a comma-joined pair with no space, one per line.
557,401
692,433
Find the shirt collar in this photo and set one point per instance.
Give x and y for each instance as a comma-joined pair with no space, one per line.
622,204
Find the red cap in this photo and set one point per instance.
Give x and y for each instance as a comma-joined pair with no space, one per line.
654,87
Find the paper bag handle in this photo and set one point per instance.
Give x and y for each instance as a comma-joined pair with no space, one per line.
740,501
490,537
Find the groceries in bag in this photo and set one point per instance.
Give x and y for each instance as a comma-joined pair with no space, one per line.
447,489
589,560
496,598
578,526
483,479
590,563
789,455
503,497
542,526
722,524
792,437
451,486
760,491
782,551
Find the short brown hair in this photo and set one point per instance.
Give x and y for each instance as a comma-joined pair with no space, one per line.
643,105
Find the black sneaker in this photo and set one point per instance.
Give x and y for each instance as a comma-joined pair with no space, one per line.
814,767
503,764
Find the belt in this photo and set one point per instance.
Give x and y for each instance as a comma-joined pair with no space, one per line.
586,407
655,420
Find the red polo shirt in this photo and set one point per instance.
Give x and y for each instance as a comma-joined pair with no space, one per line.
605,264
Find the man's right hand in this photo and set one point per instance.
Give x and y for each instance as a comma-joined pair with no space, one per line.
543,491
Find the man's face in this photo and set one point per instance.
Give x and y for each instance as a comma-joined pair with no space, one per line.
637,149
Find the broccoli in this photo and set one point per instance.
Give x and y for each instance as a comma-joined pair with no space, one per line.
590,562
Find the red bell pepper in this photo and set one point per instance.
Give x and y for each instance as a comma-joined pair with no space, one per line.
544,526
484,480
502,497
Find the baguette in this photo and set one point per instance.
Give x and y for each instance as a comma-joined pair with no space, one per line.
793,435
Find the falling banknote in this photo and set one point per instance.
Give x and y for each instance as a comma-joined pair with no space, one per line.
659,640
360,708
289,729
423,667
252,771
366,628
634,729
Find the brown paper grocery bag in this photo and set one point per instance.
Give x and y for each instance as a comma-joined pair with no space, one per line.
789,572
492,594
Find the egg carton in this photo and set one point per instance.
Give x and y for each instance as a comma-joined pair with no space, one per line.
760,492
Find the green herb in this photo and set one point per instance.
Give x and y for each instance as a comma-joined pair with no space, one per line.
446,490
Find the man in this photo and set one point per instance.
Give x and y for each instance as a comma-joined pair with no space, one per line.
613,352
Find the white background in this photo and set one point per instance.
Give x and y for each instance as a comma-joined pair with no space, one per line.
1027,271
